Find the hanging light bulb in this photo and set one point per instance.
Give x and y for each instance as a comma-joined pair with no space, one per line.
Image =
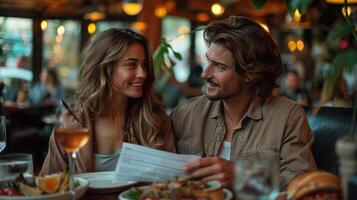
139,26
91,28
340,1
217,9
300,45
160,11
346,11
95,16
297,15
202,17
132,7
43,25
292,45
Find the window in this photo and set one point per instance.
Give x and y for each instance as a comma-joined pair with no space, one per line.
16,43
200,46
105,25
174,29
15,55
61,50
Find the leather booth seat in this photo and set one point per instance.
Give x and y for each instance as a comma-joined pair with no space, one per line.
330,124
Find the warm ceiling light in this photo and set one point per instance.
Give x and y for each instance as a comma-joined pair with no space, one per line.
292,45
61,30
94,16
160,11
91,28
300,45
340,1
132,7
140,26
183,30
217,9
43,25
297,15
346,12
202,17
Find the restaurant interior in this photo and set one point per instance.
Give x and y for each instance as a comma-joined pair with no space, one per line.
317,41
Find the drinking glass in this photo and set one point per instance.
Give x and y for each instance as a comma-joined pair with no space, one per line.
12,165
256,179
71,139
2,133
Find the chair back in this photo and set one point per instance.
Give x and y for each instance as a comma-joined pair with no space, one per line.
329,124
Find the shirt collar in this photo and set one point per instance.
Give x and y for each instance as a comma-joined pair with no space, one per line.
254,111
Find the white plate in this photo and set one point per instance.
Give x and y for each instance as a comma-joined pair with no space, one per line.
227,194
101,182
83,185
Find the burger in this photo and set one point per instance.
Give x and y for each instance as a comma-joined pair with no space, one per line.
316,185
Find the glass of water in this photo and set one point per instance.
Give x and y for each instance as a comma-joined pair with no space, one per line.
256,179
12,165
2,133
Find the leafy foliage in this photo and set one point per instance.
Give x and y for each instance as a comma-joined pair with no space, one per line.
301,5
163,63
258,4
134,194
340,32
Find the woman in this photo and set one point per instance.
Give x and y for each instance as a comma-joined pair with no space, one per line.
116,101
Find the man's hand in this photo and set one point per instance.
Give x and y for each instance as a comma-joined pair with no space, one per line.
211,169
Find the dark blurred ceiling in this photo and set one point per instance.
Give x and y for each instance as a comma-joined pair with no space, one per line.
188,8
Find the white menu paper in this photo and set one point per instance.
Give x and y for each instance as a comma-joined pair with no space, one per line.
139,163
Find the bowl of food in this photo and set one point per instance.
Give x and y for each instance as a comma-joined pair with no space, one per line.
51,187
315,185
180,188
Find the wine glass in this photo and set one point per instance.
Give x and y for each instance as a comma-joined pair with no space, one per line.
71,138
2,133
256,179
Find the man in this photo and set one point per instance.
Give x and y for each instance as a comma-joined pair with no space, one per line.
239,117
292,88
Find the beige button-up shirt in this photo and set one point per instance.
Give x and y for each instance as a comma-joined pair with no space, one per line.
274,128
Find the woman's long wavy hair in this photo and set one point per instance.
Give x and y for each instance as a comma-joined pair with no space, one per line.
256,55
96,90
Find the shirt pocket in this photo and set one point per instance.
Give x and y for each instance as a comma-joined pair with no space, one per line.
186,148
261,154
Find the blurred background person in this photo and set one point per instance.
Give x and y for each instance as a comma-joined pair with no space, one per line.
48,91
339,96
292,88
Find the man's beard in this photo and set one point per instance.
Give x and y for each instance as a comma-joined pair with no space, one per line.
219,95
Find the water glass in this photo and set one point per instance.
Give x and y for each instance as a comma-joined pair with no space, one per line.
12,165
2,133
256,179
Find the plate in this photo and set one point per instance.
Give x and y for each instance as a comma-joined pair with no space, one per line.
101,182
228,195
83,185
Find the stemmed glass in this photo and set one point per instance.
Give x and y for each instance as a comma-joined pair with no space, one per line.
2,133
71,138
